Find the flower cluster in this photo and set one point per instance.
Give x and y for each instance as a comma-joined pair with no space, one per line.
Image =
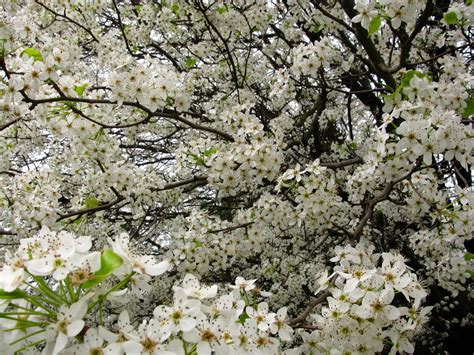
445,260
49,287
308,59
373,298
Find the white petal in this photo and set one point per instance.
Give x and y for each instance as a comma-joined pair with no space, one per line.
40,267
187,323
78,310
351,285
364,312
391,312
285,333
93,339
113,349
60,273
192,336
157,269
83,244
204,348
132,347
75,328
61,342
107,335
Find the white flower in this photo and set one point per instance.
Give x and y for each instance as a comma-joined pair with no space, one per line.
192,288
260,315
93,344
143,264
69,324
206,334
243,285
179,317
11,278
149,340
279,325
366,12
50,252
123,330
356,276
375,304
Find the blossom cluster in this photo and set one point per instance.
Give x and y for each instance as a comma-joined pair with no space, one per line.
373,299
224,139
450,269
50,286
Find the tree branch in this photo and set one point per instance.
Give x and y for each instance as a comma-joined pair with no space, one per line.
313,303
68,19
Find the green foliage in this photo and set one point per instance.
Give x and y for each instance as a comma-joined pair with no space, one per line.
199,159
316,28
406,78
91,202
33,53
109,262
190,62
451,18
175,9
79,89
11,295
375,24
222,9
469,110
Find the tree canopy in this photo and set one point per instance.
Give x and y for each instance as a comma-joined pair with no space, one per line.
236,177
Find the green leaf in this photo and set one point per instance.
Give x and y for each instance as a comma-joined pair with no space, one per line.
175,9
91,202
190,62
469,110
406,78
316,28
352,145
375,24
197,243
109,262
222,9
80,89
468,2
79,220
468,256
11,295
243,317
451,18
197,159
99,135
33,53
209,152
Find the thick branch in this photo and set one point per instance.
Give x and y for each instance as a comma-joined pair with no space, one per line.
363,37
302,317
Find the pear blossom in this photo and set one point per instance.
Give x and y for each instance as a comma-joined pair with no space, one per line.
142,264
179,317
192,288
69,324
294,149
11,278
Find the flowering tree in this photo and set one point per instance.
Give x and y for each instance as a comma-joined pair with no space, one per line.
197,177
